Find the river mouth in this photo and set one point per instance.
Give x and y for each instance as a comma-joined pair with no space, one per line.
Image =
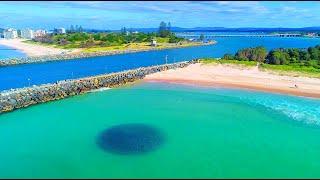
130,139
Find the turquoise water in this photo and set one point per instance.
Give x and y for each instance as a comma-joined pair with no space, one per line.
35,74
210,132
7,52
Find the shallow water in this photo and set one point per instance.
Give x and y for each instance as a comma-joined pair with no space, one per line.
8,52
210,132
50,72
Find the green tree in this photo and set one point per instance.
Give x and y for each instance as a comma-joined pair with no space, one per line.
258,54
80,29
228,57
174,39
201,37
304,55
169,27
278,56
251,54
123,30
163,31
97,37
76,28
281,56
71,29
314,53
294,55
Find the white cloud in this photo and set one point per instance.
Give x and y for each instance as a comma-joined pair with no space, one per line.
184,13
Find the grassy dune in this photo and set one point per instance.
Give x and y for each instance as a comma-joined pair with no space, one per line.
140,46
161,44
222,61
292,70
288,70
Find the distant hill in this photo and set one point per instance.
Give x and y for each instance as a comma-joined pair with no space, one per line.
210,29
174,29
95,30
223,29
247,29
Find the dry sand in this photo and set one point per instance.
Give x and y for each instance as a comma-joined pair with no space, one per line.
239,77
33,49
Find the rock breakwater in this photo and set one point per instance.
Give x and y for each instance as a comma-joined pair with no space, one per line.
24,97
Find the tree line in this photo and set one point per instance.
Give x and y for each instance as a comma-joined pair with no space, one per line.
280,56
75,37
164,31
75,29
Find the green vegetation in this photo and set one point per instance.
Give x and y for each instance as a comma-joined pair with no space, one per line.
165,32
297,58
74,29
86,40
286,61
75,38
292,70
201,37
224,61
248,54
289,70
164,29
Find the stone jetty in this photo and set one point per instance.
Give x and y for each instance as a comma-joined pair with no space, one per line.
24,97
81,55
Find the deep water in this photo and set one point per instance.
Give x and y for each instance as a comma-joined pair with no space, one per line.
128,139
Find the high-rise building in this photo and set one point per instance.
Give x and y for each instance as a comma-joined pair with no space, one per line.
27,34
10,33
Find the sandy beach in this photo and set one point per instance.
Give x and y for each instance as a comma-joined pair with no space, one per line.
233,76
32,49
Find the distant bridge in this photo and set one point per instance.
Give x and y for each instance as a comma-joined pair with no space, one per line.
238,35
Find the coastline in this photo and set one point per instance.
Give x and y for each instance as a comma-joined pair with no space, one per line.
24,97
77,54
32,49
250,78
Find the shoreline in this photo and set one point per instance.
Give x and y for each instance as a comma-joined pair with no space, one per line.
237,78
77,54
32,50
24,97
234,86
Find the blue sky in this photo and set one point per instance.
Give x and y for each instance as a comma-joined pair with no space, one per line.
114,15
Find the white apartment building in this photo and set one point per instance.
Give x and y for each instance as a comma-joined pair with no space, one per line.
39,33
10,33
27,34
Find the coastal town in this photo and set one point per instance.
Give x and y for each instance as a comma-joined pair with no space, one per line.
27,33
78,42
12,33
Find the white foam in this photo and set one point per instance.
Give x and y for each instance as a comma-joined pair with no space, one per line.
308,113
100,89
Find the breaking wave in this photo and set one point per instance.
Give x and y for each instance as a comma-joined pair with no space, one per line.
303,110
